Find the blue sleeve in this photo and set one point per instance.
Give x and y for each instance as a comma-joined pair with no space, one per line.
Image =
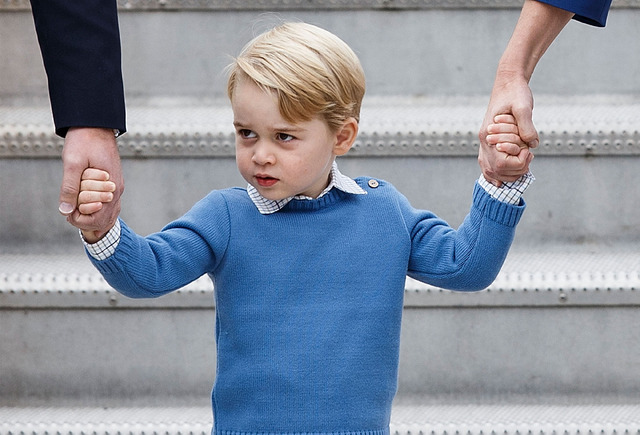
187,248
593,12
80,46
470,257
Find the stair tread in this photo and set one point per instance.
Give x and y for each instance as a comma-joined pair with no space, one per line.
379,114
391,125
406,418
549,259
556,275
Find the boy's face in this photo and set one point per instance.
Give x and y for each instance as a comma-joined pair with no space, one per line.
279,158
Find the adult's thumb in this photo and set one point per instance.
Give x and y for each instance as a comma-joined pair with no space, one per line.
69,192
527,130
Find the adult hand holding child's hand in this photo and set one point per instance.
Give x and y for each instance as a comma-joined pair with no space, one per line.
87,148
504,154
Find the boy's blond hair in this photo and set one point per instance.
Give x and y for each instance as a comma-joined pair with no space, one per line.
312,72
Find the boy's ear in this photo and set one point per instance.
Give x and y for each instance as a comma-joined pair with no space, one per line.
346,136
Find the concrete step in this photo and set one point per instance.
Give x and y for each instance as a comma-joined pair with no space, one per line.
390,126
178,48
176,151
406,419
551,275
558,322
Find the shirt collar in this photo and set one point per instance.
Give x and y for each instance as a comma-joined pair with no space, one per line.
337,180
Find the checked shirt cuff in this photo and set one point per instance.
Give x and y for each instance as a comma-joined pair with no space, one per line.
510,192
105,247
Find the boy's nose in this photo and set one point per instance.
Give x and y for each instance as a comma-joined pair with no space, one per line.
263,154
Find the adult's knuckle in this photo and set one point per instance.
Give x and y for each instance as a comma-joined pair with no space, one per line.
68,190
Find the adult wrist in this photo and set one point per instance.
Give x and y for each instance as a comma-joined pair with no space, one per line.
111,132
510,71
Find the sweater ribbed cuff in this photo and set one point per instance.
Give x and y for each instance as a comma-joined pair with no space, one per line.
501,212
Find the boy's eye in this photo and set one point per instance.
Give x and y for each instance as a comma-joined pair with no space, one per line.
245,133
284,137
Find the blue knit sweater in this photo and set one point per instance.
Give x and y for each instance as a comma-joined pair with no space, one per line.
309,299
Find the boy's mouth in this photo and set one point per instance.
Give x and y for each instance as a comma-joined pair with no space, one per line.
266,181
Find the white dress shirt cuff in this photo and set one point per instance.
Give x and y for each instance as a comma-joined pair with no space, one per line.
510,192
105,247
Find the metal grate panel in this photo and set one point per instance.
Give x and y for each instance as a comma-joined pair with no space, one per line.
471,419
517,420
563,277
390,126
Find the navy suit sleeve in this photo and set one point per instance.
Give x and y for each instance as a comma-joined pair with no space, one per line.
80,45
592,12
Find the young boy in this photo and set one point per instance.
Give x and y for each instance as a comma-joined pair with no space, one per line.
309,265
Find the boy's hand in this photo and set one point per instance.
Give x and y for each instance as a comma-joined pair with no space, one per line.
511,154
95,190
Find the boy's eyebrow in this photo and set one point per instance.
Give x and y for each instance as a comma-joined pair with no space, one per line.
287,127
283,127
